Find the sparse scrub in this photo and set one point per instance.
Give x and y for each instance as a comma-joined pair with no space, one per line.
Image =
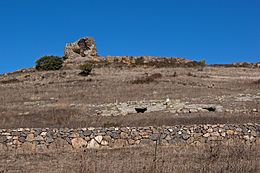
9,81
202,62
257,82
86,69
191,74
77,51
149,159
46,63
147,79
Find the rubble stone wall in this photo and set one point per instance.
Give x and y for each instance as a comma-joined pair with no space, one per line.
117,137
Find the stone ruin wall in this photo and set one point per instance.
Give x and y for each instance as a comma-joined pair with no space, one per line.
42,139
84,50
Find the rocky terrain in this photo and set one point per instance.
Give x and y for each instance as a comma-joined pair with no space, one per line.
143,108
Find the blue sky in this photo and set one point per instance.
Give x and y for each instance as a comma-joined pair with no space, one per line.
219,31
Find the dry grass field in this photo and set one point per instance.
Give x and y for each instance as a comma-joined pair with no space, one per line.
237,158
65,99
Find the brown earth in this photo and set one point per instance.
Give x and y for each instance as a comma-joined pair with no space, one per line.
238,158
66,99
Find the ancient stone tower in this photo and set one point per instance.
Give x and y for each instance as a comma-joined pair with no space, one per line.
81,51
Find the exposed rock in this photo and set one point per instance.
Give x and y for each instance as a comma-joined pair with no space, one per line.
206,135
123,135
59,144
78,143
87,133
230,132
38,138
3,139
93,144
98,139
114,135
16,142
81,51
173,106
22,139
146,142
185,136
131,141
154,137
104,143
49,140
119,143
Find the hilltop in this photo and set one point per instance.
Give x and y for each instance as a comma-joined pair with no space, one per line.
157,111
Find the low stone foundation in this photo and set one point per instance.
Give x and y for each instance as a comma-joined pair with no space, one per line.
115,137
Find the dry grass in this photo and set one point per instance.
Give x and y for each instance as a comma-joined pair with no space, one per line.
43,99
257,82
147,79
74,119
9,81
238,158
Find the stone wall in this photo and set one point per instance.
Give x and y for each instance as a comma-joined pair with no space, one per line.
172,106
114,137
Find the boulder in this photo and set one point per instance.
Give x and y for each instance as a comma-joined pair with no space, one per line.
3,148
78,143
119,143
59,144
81,51
98,139
93,144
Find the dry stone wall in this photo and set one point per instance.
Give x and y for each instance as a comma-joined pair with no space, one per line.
115,137
172,106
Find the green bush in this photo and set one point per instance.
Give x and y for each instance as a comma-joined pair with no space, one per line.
64,58
86,69
49,63
203,62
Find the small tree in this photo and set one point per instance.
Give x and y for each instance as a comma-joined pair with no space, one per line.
203,62
86,69
49,63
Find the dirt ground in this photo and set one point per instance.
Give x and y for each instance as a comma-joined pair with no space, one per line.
65,99
153,159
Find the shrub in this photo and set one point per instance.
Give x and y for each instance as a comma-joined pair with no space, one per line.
64,58
191,74
147,79
77,51
203,62
86,69
49,63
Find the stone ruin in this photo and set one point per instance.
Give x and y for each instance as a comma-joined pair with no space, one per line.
171,106
84,50
44,139
81,51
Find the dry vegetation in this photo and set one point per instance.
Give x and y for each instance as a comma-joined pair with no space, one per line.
63,99
238,158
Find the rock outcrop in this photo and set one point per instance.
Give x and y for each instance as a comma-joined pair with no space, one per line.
84,50
81,51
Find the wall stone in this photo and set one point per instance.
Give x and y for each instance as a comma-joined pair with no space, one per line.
172,106
41,139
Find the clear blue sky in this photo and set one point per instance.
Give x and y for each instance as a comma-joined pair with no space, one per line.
220,31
